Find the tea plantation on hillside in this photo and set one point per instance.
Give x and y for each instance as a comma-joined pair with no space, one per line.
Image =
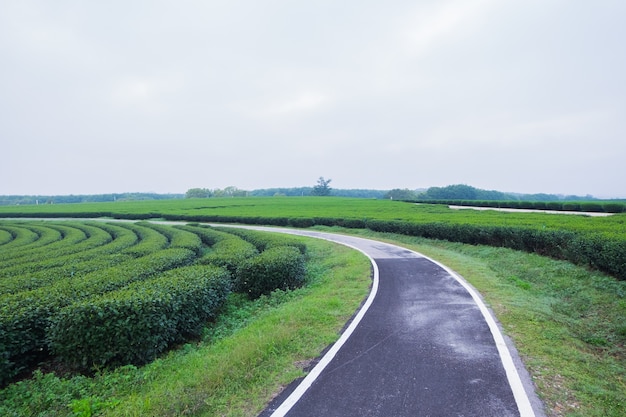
97,294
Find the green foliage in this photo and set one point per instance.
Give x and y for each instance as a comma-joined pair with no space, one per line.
322,188
198,193
265,240
149,240
280,267
399,194
133,325
226,250
25,316
177,237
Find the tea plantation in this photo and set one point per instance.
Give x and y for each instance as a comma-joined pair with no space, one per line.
96,294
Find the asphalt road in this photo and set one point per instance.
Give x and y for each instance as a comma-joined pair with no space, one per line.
423,344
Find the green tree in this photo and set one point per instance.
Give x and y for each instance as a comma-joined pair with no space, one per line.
398,194
198,193
322,188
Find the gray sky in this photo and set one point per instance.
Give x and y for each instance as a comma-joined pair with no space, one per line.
162,96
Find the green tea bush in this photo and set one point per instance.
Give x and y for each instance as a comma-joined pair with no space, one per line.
5,236
571,206
591,207
229,253
554,205
135,324
265,240
280,267
21,237
149,240
24,316
178,237
614,207
225,249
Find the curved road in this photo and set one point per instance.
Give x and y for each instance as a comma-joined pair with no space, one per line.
423,344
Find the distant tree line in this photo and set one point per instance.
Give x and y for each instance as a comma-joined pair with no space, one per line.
322,188
12,200
467,192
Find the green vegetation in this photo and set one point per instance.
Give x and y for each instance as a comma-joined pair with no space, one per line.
590,241
567,321
240,361
580,206
132,297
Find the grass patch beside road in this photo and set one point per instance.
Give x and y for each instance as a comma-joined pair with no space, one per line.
569,324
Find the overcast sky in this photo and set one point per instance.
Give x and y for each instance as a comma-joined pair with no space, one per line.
162,96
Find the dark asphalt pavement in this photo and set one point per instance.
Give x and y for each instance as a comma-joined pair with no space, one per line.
422,348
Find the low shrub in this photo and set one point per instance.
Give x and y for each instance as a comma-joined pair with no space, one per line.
135,324
265,240
24,316
591,207
276,268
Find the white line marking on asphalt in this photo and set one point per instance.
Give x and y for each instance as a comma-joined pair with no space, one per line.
521,396
317,370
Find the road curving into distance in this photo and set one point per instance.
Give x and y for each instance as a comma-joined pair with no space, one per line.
423,344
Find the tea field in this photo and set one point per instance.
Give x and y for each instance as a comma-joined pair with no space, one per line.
97,294
595,242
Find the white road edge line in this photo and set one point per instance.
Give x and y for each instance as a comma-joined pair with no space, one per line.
521,396
304,385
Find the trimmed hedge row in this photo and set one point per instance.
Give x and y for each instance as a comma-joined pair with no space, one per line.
24,316
226,250
132,311
5,236
22,238
149,240
135,324
178,238
281,267
101,250
596,251
264,240
48,237
75,239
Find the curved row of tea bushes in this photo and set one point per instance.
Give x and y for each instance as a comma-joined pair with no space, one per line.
24,316
280,267
69,242
135,324
224,249
150,240
104,307
264,240
105,243
177,237
25,236
20,236
45,237
5,237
